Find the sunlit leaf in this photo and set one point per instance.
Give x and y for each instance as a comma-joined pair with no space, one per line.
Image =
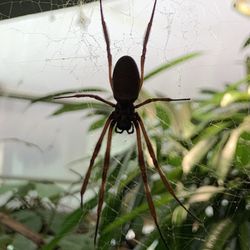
234,96
215,153
242,152
197,152
228,152
242,6
179,215
204,193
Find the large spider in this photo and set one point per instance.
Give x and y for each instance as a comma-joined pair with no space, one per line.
126,83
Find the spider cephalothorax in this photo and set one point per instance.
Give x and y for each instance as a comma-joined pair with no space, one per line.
124,115
126,83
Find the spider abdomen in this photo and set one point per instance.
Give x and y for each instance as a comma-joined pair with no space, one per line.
126,80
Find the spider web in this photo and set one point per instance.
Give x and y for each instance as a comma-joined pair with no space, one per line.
76,55
16,8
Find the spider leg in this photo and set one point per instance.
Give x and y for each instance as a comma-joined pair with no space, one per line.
87,95
145,181
145,42
160,100
104,177
107,40
92,160
162,175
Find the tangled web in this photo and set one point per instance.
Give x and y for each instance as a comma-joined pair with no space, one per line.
15,8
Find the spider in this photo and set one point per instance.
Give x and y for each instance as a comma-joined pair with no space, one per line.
126,83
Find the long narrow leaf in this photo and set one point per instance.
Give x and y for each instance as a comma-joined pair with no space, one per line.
218,235
70,223
171,64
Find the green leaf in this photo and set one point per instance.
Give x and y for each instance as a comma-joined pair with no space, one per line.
8,187
215,153
97,124
163,116
213,129
77,242
165,199
170,64
234,96
55,220
81,106
228,152
28,218
242,156
179,215
109,214
48,189
21,243
219,234
198,151
244,233
70,223
24,189
114,203
5,240
208,91
205,193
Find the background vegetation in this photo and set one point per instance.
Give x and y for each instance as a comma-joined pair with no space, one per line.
202,146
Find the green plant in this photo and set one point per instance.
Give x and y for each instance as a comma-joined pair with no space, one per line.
202,146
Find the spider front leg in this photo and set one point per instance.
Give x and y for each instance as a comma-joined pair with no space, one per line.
145,42
97,97
145,181
160,99
159,170
104,177
107,40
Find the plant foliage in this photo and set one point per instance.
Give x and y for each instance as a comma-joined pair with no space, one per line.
203,148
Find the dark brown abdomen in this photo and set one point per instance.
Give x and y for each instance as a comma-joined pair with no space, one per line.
126,80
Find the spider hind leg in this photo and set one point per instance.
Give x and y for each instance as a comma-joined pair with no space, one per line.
104,177
159,170
145,182
94,155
